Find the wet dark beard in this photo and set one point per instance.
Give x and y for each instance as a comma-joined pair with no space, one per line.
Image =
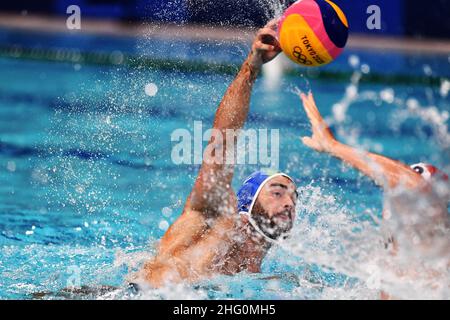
274,227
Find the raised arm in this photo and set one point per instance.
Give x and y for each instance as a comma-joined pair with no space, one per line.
214,179
386,172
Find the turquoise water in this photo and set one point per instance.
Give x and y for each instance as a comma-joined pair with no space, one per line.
87,181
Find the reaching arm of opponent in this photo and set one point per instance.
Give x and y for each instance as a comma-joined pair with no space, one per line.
386,172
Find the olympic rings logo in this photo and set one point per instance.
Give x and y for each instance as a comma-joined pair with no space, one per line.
301,58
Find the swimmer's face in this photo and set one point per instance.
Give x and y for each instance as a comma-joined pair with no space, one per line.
274,209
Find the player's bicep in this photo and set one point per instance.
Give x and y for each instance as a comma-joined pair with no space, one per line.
183,233
211,189
193,224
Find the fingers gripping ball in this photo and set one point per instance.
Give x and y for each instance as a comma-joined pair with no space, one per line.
313,32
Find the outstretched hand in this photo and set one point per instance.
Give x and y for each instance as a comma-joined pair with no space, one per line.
322,139
265,47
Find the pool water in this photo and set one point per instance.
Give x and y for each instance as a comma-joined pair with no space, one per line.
88,186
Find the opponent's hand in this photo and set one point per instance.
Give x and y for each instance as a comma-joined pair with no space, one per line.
322,139
265,47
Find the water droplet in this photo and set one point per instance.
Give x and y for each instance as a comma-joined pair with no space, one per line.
387,95
167,212
353,61
365,68
427,70
351,91
163,225
79,189
412,104
151,89
11,166
445,88
116,57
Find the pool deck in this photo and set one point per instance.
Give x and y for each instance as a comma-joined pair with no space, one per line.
208,33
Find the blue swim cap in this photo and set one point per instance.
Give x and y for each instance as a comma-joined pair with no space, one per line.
248,192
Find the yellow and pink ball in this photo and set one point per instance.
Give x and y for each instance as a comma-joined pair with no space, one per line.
313,32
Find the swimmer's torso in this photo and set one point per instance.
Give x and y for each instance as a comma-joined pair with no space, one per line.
212,250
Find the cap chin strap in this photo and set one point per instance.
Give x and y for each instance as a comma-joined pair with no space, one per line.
258,229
